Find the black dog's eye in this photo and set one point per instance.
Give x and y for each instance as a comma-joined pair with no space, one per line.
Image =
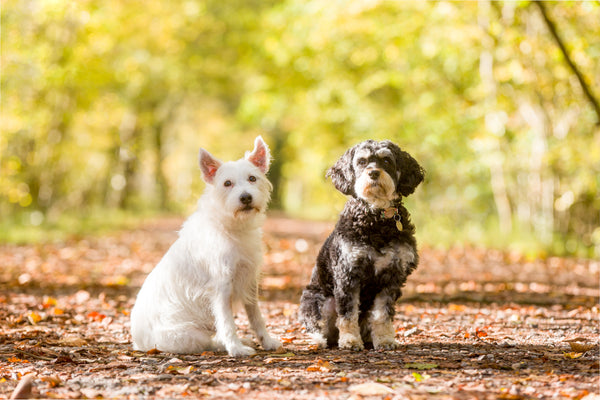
362,162
227,183
252,178
387,161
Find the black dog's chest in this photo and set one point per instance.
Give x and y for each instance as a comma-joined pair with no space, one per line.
367,262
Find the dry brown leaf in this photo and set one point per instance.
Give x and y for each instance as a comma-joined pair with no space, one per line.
52,380
24,388
320,366
72,341
581,347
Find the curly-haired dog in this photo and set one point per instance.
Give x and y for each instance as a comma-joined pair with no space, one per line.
365,261
185,304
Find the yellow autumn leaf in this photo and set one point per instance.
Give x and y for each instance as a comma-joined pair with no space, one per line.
34,317
48,302
456,307
572,355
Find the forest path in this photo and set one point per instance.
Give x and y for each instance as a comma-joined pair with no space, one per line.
473,323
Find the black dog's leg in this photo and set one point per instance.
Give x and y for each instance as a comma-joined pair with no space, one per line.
347,301
317,314
382,318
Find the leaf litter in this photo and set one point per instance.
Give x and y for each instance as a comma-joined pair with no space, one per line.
473,323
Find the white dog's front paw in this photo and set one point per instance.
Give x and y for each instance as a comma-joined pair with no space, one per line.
270,343
239,350
319,340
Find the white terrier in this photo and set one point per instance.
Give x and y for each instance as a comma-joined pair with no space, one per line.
185,304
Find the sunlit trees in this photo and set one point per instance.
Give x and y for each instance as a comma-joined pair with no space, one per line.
105,103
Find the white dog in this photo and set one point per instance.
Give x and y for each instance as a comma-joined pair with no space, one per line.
185,304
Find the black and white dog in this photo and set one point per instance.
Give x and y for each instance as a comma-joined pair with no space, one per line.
365,261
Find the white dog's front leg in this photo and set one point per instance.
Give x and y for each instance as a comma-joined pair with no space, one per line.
225,325
258,325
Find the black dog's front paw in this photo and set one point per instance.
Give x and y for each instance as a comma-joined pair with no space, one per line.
389,345
351,342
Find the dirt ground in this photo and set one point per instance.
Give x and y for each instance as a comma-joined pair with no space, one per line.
473,323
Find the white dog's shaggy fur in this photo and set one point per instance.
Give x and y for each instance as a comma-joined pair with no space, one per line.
185,304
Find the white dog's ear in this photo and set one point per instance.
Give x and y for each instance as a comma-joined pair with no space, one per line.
209,166
260,156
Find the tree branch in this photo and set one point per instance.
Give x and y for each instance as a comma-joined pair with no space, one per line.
552,28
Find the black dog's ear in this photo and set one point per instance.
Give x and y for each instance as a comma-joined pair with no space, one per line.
342,173
410,172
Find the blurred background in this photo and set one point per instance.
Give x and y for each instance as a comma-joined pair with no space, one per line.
105,104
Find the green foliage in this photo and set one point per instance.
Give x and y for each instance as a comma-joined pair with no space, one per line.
105,104
32,227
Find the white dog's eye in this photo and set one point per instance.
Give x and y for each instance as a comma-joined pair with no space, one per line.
387,161
227,183
252,178
362,161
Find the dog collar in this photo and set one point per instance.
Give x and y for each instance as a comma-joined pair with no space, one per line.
392,212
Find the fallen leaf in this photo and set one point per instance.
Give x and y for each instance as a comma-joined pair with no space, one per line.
420,366
382,362
320,366
282,355
575,339
52,380
280,350
171,369
34,317
16,360
96,316
284,382
409,309
591,396
456,307
581,347
48,302
23,389
72,341
412,331
572,355
480,333
370,389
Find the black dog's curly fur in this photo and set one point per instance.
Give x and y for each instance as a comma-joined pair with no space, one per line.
366,260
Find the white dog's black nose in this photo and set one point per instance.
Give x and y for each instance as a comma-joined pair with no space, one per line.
374,174
246,198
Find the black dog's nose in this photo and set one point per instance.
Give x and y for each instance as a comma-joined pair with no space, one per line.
374,174
246,198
